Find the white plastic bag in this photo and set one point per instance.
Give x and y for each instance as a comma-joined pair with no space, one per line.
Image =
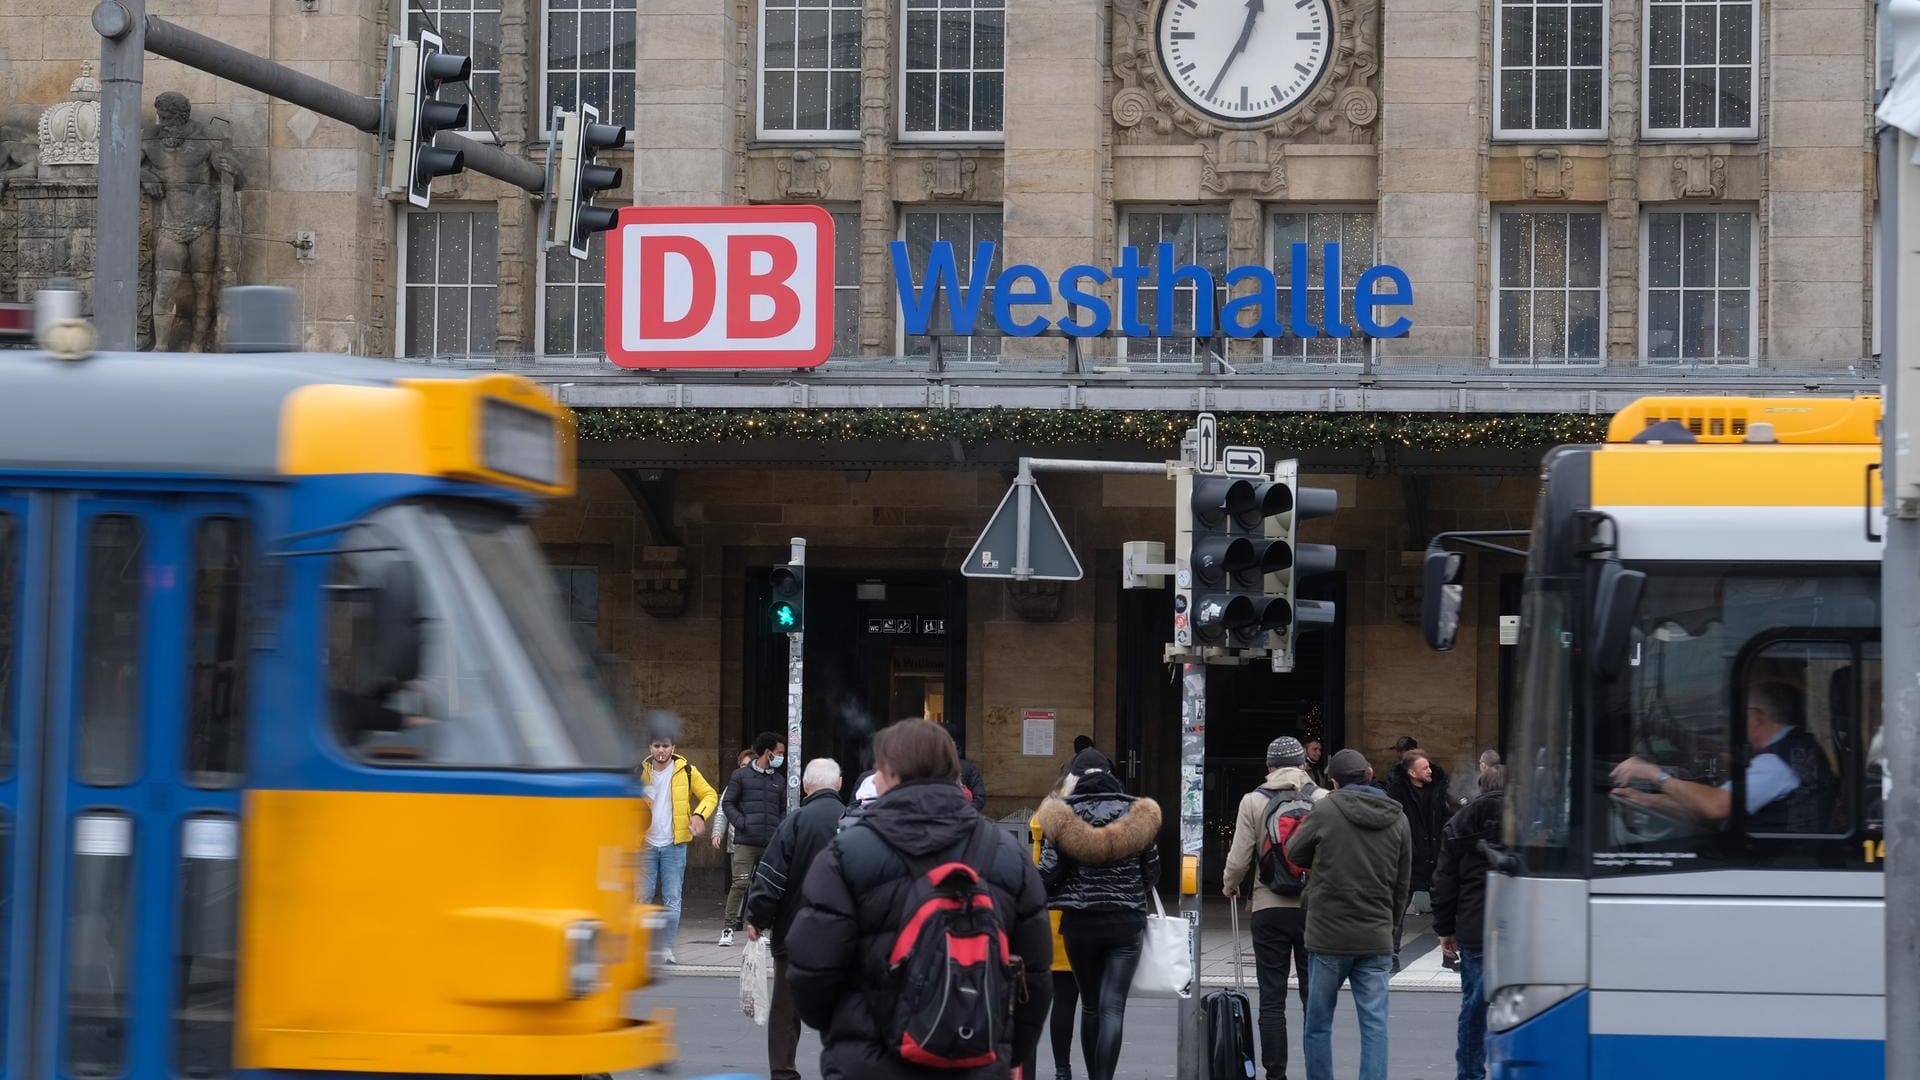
756,982
1166,960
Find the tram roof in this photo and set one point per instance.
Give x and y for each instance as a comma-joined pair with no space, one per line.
248,414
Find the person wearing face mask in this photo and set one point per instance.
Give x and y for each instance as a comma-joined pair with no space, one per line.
755,802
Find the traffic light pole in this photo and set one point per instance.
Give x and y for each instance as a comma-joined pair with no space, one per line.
796,683
1190,1034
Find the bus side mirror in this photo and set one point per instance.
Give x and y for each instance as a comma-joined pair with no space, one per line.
1440,604
396,625
1615,601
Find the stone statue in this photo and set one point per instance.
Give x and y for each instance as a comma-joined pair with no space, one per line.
190,172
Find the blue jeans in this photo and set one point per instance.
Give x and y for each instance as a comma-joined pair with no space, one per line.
1369,976
666,867
1472,1055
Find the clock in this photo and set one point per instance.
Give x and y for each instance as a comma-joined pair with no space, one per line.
1244,61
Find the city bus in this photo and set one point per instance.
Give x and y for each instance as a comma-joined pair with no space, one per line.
1690,880
302,769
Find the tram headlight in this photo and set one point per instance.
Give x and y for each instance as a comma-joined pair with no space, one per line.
1511,1006
583,958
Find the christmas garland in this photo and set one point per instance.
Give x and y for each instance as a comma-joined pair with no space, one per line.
1044,427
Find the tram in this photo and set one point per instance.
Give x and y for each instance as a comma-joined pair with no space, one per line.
301,768
1690,881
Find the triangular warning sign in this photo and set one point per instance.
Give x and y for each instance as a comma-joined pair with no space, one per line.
1048,554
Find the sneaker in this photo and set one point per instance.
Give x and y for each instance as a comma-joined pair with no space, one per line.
670,958
726,936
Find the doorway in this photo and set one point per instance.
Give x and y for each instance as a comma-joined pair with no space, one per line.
880,646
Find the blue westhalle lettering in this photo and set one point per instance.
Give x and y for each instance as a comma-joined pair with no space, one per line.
1257,314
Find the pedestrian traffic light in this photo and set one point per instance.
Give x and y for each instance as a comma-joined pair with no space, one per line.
575,218
423,69
787,610
1299,505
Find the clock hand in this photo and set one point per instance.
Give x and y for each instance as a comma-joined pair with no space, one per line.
1254,8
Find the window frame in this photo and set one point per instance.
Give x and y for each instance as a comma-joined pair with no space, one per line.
543,122
1753,284
540,306
475,129
1123,230
1850,763
1274,210
806,135
401,263
1538,134
900,334
1650,133
994,137
1527,363
838,211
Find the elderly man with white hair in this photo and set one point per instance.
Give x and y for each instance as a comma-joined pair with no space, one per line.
775,897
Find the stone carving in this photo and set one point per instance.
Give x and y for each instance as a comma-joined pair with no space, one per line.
1700,174
1343,109
804,175
660,582
1243,162
1036,601
189,170
70,131
949,175
1546,174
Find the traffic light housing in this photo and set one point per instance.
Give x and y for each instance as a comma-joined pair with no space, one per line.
425,66
582,138
787,608
1299,505
1222,542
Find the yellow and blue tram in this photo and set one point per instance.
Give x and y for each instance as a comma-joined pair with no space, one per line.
302,768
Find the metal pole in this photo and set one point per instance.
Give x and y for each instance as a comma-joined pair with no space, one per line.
1193,773
796,679
122,26
1023,546
1900,592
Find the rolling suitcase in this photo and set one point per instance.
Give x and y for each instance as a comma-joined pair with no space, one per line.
1230,1021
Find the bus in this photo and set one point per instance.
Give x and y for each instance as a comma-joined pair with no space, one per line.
1690,878
302,769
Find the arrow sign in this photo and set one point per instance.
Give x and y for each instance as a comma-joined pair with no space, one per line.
1244,460
1209,441
994,554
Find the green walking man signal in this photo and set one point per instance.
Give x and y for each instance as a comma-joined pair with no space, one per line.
786,612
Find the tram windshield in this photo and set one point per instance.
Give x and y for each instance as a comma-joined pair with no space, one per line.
501,680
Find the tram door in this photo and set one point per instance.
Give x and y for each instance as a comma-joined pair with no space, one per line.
123,649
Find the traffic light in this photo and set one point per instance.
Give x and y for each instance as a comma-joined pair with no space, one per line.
1221,539
1298,505
575,218
787,610
423,69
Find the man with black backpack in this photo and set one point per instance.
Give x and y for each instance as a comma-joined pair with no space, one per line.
1269,816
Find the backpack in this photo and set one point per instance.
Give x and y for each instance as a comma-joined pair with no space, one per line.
950,974
1287,810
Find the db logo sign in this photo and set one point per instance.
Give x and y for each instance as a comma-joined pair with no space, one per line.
720,286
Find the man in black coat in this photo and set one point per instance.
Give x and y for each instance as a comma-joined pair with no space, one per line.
1420,788
1460,909
775,898
853,908
755,801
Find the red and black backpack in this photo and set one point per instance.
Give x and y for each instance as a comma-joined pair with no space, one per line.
949,997
1287,810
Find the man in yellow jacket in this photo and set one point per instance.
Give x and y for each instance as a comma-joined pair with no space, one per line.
674,786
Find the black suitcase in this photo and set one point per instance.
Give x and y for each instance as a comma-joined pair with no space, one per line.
1229,1018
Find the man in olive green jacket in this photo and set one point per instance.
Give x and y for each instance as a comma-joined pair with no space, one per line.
1360,852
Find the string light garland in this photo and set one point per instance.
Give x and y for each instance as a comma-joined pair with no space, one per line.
1046,427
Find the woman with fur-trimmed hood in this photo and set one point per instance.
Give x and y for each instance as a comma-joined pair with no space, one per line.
1099,857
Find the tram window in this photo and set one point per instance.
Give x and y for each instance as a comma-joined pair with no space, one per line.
110,652
216,733
9,584
209,918
1797,701
99,945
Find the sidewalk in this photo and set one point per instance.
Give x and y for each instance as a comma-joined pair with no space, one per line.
1421,970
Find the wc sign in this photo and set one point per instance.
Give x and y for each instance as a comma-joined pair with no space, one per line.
720,286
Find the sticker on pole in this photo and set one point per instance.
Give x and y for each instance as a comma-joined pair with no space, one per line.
994,555
720,286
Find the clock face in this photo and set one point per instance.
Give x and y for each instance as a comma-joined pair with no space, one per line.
1244,61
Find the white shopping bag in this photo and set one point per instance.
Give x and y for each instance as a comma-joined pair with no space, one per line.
756,982
1166,959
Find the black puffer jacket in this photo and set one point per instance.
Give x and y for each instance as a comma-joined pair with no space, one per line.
1460,881
1100,851
852,909
755,802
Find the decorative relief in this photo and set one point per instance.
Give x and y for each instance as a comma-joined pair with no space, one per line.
70,131
804,175
949,175
1700,174
1546,174
1243,163
1343,109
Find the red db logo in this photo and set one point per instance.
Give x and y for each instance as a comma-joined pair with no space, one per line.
720,286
